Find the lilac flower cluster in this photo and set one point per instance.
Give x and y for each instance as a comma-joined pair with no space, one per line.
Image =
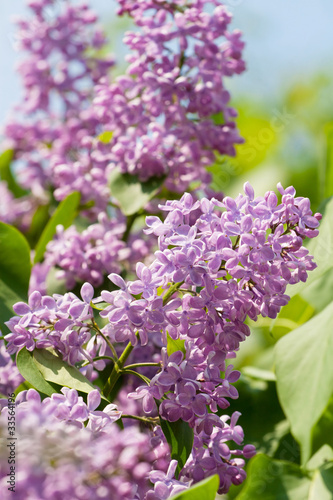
70,460
223,264
67,32
215,268
96,252
161,111
53,142
90,255
69,407
161,120
62,322
211,454
218,262
16,211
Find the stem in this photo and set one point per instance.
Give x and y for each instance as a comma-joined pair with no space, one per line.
129,223
173,288
97,359
103,357
96,328
146,420
236,242
132,372
138,365
117,368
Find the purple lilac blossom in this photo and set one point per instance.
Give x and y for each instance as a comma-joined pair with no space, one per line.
94,253
161,121
61,322
71,461
16,211
53,142
161,111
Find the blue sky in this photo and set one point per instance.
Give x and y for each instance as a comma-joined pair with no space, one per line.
286,40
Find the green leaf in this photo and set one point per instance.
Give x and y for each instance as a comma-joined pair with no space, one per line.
106,137
206,489
319,293
54,284
39,221
27,367
291,316
323,455
15,268
64,214
55,370
259,373
218,118
266,425
175,345
321,248
304,372
322,484
6,175
269,479
23,387
179,435
322,433
132,194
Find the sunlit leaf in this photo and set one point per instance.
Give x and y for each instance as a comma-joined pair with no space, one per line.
65,215
131,194
327,171
175,345
291,316
27,367
269,479
15,268
304,372
204,490
54,369
106,137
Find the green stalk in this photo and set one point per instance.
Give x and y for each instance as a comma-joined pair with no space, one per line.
139,365
139,375
117,369
146,420
171,291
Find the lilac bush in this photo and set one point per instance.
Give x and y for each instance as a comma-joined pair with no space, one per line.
136,406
